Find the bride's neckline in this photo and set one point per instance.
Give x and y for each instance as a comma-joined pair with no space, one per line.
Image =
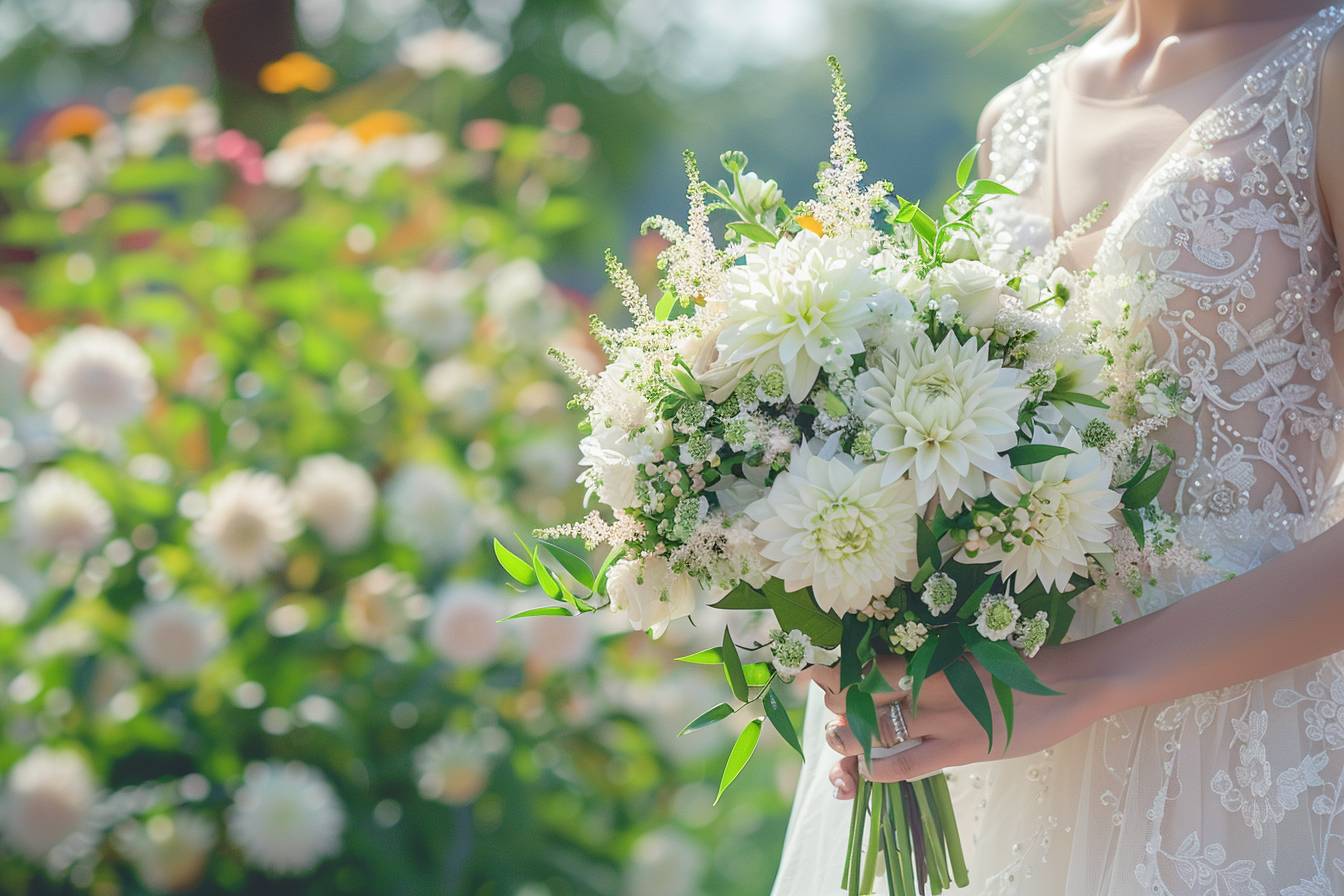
1244,61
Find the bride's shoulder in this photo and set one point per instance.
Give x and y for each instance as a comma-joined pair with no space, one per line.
1029,89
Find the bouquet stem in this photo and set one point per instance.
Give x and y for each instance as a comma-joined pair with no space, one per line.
911,827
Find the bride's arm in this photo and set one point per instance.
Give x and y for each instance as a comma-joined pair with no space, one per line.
1330,136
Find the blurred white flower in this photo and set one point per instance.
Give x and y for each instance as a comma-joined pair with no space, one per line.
94,380
59,512
285,818
466,390
465,628
427,510
513,288
555,643
175,638
453,768
48,795
436,51
380,606
13,603
665,862
169,852
650,593
16,350
337,499
431,307
830,524
248,519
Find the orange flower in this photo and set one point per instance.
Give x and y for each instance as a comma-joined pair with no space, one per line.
295,71
171,100
73,121
383,123
807,222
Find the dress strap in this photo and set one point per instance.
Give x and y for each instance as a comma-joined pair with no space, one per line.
1020,138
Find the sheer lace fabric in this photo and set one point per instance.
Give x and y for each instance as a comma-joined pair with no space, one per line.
1239,792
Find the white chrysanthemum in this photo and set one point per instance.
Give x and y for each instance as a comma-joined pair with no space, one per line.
429,306
59,512
380,606
169,852
650,593
1063,514
432,52
48,795
466,390
453,768
248,519
94,380
337,499
803,304
427,510
175,638
941,416
285,818
464,628
830,524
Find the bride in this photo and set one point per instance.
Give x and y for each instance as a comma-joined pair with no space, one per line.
1199,746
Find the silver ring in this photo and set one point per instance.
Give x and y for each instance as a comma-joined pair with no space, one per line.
895,732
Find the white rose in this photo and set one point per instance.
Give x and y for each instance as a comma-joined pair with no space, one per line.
960,245
650,593
977,288
757,194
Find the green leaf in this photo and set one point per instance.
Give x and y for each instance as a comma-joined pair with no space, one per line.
779,717
575,565
612,556
918,668
663,310
710,656
539,611
922,576
854,636
758,675
517,568
1007,665
1134,520
1025,455
688,383
1077,398
972,605
707,718
1143,493
967,164
985,187
743,597
1005,698
1143,469
545,578
926,544
732,667
741,754
968,687
754,232
799,610
861,716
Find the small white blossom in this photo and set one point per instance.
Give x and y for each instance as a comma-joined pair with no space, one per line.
94,380
48,795
337,498
431,307
248,519
427,510
442,49
939,593
1031,633
454,768
464,628
998,616
175,638
285,818
58,512
909,636
790,652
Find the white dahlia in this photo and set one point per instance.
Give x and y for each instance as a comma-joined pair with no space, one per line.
427,510
59,512
248,519
169,852
1060,512
380,605
832,524
175,638
48,795
941,416
429,306
650,593
94,380
442,49
337,498
464,628
285,818
803,304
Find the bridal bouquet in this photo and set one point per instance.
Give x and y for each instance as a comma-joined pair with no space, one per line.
896,439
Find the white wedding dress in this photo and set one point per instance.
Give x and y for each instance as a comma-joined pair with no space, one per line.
1238,792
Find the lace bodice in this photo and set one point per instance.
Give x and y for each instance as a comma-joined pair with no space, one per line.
1241,294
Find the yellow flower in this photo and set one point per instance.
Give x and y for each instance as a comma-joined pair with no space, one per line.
174,99
74,121
295,71
807,222
383,123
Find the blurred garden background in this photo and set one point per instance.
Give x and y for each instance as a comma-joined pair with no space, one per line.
277,280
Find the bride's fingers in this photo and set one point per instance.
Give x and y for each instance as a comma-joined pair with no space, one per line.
845,778
841,739
919,761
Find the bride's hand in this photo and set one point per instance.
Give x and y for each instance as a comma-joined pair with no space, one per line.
950,734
